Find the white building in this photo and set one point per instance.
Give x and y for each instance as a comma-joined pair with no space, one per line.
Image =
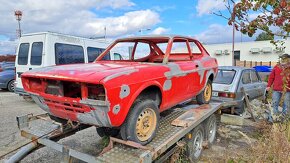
256,51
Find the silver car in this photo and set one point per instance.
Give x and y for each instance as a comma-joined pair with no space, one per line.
229,81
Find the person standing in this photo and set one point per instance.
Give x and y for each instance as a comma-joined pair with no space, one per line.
277,83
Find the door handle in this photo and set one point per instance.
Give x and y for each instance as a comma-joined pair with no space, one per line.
30,68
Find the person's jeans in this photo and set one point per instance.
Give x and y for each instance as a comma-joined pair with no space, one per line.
276,98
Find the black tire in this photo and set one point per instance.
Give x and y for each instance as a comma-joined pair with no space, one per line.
10,86
194,147
201,98
210,126
141,109
106,131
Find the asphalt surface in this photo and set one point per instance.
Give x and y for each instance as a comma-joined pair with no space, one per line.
12,105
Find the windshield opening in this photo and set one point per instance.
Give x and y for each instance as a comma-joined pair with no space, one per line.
225,76
137,50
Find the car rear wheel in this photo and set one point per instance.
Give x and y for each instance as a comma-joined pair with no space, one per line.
205,96
10,86
142,122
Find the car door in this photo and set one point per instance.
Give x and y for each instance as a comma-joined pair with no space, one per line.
246,83
183,71
258,85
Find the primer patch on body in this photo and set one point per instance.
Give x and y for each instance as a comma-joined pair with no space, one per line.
113,76
167,85
116,109
125,91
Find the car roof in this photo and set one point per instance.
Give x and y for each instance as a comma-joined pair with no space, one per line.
155,38
237,68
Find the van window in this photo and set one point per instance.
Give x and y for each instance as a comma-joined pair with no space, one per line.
93,53
23,53
67,54
36,53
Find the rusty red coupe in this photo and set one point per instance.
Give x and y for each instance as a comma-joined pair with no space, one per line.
145,76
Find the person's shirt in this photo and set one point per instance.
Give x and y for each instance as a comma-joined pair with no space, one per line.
276,79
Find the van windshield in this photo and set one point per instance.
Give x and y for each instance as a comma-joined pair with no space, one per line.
225,76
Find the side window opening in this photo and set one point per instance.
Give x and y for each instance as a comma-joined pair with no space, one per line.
246,79
68,54
23,54
179,51
254,76
36,53
194,48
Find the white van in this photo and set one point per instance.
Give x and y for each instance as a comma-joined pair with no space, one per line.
47,48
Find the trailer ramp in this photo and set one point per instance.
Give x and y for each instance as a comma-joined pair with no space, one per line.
174,125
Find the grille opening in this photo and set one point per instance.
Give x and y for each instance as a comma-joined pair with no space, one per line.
72,89
96,92
54,87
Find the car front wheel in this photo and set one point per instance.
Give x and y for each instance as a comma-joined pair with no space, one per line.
205,96
142,122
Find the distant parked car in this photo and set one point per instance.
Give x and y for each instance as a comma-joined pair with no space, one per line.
7,75
6,64
229,81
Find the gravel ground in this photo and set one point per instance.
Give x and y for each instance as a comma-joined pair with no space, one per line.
12,105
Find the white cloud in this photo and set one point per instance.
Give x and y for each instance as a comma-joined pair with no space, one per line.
160,30
8,47
73,17
128,23
217,33
208,6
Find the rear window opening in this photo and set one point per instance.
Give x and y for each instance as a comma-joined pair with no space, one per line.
225,76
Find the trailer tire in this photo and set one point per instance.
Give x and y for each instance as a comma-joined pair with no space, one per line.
205,95
142,122
106,131
194,144
210,126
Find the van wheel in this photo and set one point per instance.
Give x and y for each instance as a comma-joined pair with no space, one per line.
106,131
210,129
205,96
142,122
194,143
10,86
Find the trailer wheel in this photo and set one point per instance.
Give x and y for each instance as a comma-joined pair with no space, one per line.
210,129
142,122
106,131
205,96
194,143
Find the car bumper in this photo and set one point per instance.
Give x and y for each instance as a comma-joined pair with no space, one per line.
223,99
3,85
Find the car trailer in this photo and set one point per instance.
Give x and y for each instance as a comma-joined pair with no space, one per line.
192,124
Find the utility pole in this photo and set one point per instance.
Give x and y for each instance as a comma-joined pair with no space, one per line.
18,15
233,41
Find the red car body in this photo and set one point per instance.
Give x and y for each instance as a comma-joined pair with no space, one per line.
102,93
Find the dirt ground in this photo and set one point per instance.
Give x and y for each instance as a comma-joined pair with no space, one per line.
231,140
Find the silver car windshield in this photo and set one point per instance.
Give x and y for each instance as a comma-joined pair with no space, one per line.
225,76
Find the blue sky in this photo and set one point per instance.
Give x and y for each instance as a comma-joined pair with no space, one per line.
88,18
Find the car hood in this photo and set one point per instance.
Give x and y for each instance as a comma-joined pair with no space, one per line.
90,72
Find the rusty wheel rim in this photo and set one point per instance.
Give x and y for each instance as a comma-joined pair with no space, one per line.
207,92
146,124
